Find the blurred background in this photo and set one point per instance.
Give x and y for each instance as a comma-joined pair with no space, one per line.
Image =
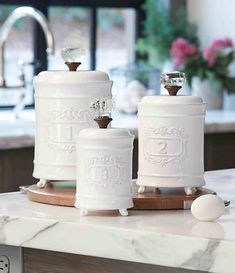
130,40
134,41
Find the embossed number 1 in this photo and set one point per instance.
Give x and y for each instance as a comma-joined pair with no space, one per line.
70,132
163,147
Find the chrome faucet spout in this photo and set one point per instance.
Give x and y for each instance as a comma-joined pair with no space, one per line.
7,25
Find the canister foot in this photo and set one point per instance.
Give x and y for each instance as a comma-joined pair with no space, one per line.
42,183
141,189
83,212
157,190
189,190
123,212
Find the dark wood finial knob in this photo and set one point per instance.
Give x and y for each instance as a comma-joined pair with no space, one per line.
103,121
173,81
172,89
72,65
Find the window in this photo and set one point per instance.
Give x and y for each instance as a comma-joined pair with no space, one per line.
108,29
69,24
115,37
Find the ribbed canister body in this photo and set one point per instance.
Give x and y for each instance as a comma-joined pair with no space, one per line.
62,108
171,141
104,173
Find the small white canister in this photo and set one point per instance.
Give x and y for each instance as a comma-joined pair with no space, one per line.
171,140
62,108
104,170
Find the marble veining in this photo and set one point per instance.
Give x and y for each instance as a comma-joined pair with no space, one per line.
37,234
4,220
203,259
168,238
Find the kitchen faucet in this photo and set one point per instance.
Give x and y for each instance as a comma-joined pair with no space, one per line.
6,27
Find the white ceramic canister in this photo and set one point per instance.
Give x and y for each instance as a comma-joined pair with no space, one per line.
171,142
104,172
62,107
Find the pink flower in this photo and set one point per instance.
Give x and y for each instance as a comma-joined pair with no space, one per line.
209,55
181,49
228,42
219,44
216,47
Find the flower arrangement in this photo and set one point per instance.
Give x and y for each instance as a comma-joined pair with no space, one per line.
161,26
211,64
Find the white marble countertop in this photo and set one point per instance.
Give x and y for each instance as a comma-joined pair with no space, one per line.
168,238
17,133
20,133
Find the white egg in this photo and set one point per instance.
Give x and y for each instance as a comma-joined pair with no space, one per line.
208,207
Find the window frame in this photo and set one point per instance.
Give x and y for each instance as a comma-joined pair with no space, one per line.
93,5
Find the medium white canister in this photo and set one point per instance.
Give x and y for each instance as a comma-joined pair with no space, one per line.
171,142
62,106
104,172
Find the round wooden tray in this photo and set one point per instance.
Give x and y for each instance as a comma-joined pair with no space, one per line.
163,199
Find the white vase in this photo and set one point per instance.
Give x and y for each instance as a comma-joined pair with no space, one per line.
205,90
229,101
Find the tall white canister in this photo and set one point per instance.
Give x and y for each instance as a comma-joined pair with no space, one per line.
171,139
63,102
104,173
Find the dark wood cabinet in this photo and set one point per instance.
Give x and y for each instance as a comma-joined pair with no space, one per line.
39,261
219,151
16,167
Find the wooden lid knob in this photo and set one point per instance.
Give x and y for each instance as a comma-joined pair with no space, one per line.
72,65
103,121
173,81
172,90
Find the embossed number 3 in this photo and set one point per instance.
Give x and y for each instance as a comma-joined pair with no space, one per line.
163,147
104,174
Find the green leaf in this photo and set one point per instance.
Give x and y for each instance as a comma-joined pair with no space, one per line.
161,27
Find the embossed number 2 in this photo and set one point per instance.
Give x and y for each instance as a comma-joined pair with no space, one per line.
163,147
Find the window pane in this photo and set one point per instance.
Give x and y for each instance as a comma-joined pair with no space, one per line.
19,45
116,37
69,24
